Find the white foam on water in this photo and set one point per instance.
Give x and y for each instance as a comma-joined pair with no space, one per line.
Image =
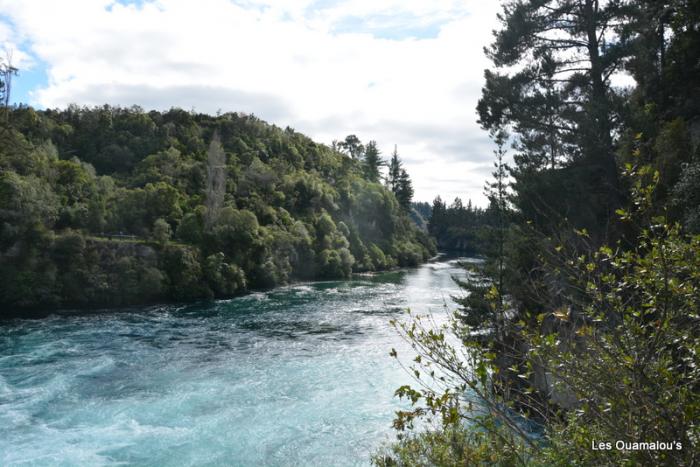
266,379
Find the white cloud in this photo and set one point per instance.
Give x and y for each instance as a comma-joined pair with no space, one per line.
287,62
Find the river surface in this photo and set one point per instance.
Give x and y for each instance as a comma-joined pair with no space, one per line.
300,375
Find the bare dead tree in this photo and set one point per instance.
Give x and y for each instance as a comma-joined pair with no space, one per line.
7,71
216,180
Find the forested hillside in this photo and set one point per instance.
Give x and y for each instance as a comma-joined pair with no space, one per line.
112,206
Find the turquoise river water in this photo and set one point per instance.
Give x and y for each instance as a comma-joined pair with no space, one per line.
300,375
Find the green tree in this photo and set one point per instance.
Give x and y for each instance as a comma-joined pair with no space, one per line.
161,231
436,223
29,208
484,305
184,272
394,176
404,191
559,102
372,162
224,279
352,146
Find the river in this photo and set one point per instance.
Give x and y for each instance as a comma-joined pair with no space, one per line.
300,375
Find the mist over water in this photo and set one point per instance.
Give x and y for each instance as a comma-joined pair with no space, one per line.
299,375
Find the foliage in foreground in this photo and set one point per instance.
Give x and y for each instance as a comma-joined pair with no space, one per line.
452,446
619,362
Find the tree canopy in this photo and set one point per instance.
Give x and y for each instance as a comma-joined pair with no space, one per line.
176,205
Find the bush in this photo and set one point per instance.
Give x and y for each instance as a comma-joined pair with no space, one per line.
182,267
161,231
378,258
336,263
409,254
454,446
618,363
224,279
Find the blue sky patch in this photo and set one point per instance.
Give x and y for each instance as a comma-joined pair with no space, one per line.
388,27
27,81
137,3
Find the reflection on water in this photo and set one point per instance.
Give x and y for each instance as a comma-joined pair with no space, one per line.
299,375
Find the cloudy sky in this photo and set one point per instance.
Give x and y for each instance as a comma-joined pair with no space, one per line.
404,72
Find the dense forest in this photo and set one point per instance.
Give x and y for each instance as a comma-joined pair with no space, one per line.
459,227
112,206
577,341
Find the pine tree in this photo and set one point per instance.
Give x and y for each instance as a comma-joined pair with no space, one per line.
399,182
496,192
372,162
404,191
477,306
394,175
551,88
436,225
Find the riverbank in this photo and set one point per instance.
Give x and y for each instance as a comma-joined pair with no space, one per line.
98,273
